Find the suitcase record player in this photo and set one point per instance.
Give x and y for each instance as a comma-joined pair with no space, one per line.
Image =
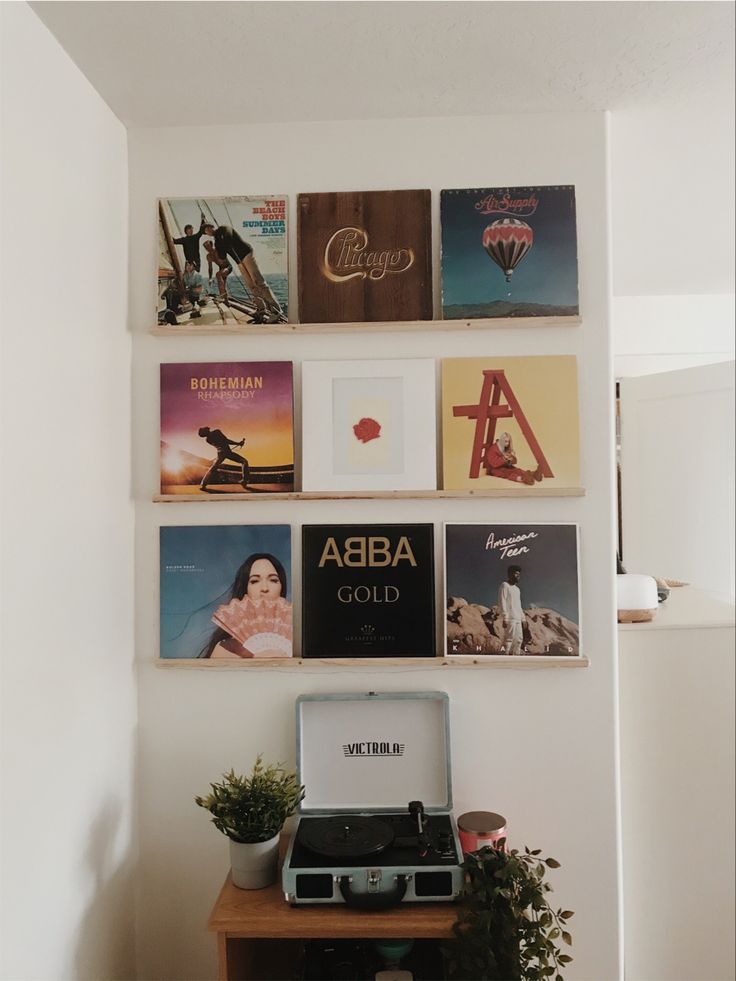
376,827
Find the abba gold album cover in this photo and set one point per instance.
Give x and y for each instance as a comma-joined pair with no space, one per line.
227,428
364,256
368,590
509,252
512,589
225,592
510,422
222,261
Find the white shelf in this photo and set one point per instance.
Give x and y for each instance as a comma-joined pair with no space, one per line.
190,328
463,661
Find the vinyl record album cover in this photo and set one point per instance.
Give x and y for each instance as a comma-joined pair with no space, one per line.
368,590
510,422
364,256
512,589
509,252
225,591
227,428
375,422
222,261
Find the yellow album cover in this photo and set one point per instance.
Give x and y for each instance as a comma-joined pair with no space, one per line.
510,420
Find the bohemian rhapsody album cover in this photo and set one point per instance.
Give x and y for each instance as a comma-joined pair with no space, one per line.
227,428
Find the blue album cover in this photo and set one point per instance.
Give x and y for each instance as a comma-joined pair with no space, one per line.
509,252
512,589
226,591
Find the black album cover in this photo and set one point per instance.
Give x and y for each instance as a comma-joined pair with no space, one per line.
368,590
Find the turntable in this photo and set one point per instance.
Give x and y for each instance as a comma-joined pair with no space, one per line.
359,840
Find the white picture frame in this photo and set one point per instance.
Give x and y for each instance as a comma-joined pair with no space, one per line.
369,425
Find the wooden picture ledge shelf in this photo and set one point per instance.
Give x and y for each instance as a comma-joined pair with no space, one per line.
463,661
189,328
418,495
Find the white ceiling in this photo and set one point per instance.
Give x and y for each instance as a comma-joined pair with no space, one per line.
186,63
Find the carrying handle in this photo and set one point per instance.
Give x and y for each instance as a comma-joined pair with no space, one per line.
372,900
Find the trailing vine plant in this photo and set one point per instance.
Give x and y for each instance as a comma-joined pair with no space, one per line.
506,929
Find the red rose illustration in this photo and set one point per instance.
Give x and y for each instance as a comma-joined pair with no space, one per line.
366,430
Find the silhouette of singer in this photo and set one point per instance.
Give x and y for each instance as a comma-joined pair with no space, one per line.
223,445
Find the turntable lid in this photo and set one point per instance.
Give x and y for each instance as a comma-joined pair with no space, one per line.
373,752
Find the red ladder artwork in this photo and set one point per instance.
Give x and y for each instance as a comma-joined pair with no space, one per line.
487,411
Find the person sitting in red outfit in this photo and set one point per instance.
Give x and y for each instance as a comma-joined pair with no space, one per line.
501,462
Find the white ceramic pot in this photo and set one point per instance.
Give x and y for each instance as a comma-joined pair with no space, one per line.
637,598
254,866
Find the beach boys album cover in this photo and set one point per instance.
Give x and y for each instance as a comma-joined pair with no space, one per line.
222,261
226,591
512,589
509,252
364,256
227,428
368,590
510,422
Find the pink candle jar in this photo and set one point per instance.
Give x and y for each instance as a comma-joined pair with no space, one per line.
480,828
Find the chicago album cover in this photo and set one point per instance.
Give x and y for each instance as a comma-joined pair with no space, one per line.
364,256
368,590
512,589
227,428
509,252
225,591
222,261
510,422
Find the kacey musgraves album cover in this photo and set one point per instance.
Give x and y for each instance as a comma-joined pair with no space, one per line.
509,252
226,592
364,256
512,589
510,422
368,590
227,428
222,261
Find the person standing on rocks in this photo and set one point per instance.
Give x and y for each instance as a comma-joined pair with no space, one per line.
511,611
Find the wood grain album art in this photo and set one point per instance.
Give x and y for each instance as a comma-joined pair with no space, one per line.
364,256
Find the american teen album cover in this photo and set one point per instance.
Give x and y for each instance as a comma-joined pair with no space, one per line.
512,589
368,590
364,256
509,252
227,428
222,261
226,591
510,422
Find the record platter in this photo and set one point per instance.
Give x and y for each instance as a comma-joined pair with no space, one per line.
373,858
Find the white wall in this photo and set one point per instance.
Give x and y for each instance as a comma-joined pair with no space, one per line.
68,697
677,475
538,746
672,191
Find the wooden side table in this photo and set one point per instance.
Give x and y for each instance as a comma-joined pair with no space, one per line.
259,934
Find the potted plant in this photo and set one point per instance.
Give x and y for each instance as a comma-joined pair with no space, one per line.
506,929
251,811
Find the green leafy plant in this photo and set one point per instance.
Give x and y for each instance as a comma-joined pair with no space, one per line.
252,809
506,929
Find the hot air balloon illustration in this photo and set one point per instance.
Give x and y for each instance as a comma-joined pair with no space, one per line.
507,241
